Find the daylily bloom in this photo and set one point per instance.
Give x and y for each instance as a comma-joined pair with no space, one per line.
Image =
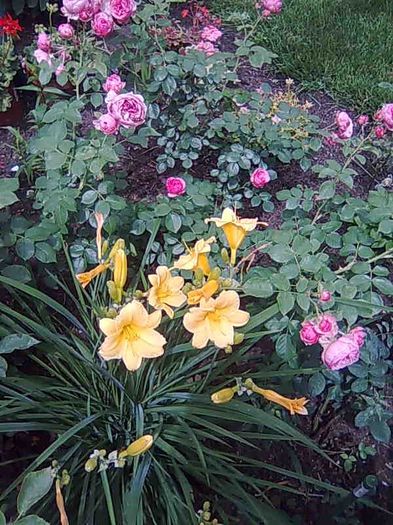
207,291
131,336
196,257
165,291
224,396
86,277
294,406
138,447
235,229
214,320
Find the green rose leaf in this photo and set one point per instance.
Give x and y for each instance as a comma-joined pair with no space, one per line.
286,302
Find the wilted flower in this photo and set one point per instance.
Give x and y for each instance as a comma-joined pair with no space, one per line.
42,56
196,257
131,336
294,406
224,395
207,291
206,47
165,291
85,278
214,320
72,8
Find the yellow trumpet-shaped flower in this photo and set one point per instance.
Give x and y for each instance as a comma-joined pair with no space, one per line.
100,223
207,291
235,229
196,257
86,277
165,291
214,320
224,396
138,447
294,406
131,336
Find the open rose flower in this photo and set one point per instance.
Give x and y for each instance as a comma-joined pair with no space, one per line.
113,83
128,109
66,31
175,186
269,6
386,116
211,33
345,125
259,178
379,132
107,124
72,8
44,42
363,120
308,333
102,24
206,47
326,325
345,351
121,10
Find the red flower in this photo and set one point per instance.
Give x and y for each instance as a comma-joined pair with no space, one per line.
184,13
9,26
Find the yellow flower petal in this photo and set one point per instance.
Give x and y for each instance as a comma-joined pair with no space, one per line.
294,406
206,292
165,291
196,257
86,277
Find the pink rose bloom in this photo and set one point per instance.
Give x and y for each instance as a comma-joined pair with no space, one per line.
72,8
345,125
175,186
345,351
308,334
206,47
42,56
65,31
386,116
129,109
44,42
102,24
363,120
326,325
325,296
273,6
107,124
211,33
379,132
113,83
359,335
259,178
121,10
266,13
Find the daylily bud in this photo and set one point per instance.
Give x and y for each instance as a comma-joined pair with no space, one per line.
198,276
111,313
138,294
215,274
114,292
91,464
120,269
226,283
119,245
225,256
224,395
238,338
105,246
65,478
140,446
187,288
228,349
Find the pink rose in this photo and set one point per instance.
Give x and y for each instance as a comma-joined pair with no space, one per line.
326,325
363,120
386,116
259,178
379,132
308,334
102,24
107,124
72,8
42,56
359,335
65,31
175,186
129,109
211,33
44,42
206,47
121,10
325,296
266,13
345,125
113,83
341,353
273,6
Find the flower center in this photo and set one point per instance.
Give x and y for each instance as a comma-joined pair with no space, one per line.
129,333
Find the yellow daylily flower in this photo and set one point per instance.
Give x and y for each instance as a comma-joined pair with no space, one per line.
235,229
138,447
165,291
214,320
100,222
294,406
224,396
86,277
131,336
196,257
207,291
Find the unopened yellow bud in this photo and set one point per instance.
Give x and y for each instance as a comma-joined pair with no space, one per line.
215,274
105,246
238,338
187,288
225,256
228,349
138,294
119,245
226,283
114,292
111,313
140,446
120,268
91,464
223,396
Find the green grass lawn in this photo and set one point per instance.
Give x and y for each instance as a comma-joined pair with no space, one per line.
343,46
